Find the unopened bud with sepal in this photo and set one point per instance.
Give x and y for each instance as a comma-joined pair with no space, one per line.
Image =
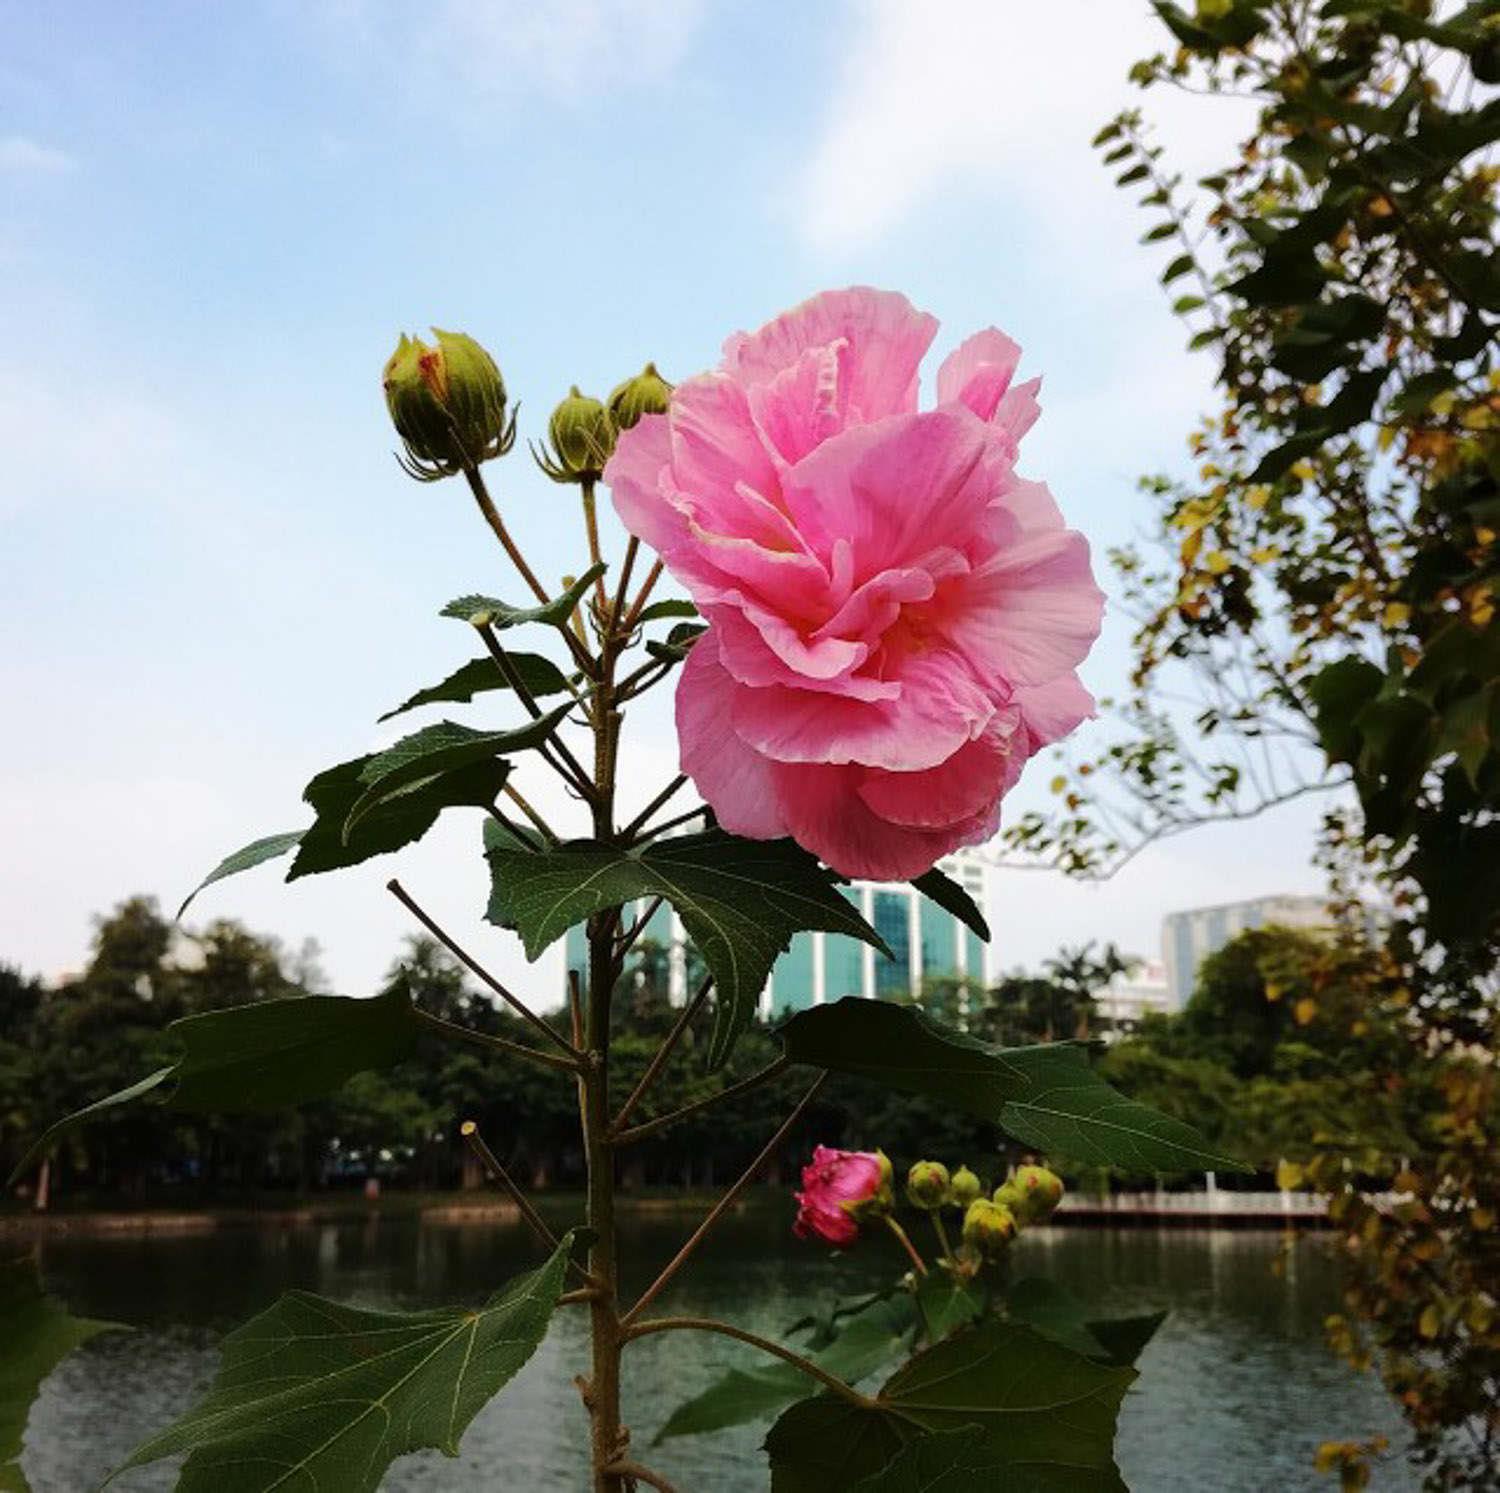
928,1186
648,393
581,437
447,401
965,1187
988,1227
1032,1194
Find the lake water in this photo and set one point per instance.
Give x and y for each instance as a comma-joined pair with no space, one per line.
1235,1392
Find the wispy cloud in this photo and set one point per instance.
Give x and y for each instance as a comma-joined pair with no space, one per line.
988,94
17,153
557,47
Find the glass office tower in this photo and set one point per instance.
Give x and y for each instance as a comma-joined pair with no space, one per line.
927,942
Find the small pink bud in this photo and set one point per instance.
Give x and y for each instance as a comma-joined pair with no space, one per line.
841,1190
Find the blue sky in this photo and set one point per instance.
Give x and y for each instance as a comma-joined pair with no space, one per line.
214,220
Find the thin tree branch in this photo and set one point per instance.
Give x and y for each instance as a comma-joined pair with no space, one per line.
766,1345
722,1206
519,1006
666,824
617,609
491,1163
650,1127
493,519
661,1054
647,587
456,1033
514,795
640,819
638,927
641,1474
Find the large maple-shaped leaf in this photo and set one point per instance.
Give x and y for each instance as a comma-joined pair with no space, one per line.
1047,1096
1043,1416
38,1333
319,1396
270,1055
740,902
1068,1110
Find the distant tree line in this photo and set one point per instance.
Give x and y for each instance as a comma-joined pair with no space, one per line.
1259,1060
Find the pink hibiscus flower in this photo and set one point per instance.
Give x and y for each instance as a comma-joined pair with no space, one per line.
839,1188
895,617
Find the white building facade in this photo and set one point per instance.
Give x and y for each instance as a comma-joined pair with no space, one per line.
1188,938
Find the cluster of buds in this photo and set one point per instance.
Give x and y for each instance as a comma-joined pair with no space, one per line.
841,1190
582,432
447,401
989,1222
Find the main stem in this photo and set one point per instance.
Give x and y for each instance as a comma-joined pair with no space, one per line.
609,1439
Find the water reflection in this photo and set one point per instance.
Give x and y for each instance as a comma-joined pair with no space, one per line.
1235,1393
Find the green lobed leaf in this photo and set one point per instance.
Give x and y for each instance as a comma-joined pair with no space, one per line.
38,1334
313,1394
540,675
1044,1417
442,749
668,608
47,1141
251,855
1056,1313
941,888
903,1048
947,1302
871,1340
267,1056
501,615
1047,1096
1068,1110
740,902
396,822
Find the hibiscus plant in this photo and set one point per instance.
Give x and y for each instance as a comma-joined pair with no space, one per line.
885,624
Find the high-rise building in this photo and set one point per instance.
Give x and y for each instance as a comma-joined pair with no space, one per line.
928,943
1188,938
1131,995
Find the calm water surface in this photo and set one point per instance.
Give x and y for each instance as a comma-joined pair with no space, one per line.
1235,1392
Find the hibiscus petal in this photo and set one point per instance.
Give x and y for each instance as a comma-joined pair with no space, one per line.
826,815
978,371
940,707
735,780
887,338
953,792
1052,711
1032,613
634,475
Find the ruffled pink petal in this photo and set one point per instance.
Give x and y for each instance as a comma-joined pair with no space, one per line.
978,371
1017,412
732,778
887,338
804,404
897,489
941,706
747,653
634,474
1033,612
953,792
1052,711
826,815
802,660
718,459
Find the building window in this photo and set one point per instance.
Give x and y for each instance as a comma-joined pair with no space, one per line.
893,976
792,989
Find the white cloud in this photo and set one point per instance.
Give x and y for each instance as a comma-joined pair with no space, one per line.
17,153
516,46
991,94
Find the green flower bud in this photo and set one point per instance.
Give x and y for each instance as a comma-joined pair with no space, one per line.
448,404
927,1186
648,393
1038,1190
965,1187
582,435
988,1227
